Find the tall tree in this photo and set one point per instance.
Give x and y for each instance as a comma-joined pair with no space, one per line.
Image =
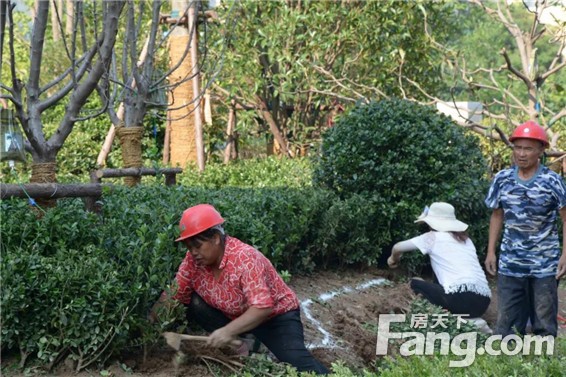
32,88
514,73
144,71
281,58
127,89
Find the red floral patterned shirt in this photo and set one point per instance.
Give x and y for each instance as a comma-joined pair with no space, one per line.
247,279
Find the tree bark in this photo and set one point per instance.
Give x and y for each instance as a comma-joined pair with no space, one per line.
266,114
55,26
167,142
97,175
50,190
70,17
109,139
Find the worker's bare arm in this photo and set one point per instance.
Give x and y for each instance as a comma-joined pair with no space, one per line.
495,226
398,249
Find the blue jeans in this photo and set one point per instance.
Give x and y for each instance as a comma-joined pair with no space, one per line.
282,334
527,297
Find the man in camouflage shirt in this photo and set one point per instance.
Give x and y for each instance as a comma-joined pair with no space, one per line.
526,201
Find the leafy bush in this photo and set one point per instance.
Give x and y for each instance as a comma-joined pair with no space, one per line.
267,172
502,365
353,230
409,156
79,285
67,292
435,365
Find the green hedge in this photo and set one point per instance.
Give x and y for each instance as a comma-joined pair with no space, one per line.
273,171
80,285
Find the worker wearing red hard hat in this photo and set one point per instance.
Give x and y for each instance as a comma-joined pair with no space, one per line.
527,199
230,288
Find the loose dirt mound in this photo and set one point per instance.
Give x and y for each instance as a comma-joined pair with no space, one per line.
347,305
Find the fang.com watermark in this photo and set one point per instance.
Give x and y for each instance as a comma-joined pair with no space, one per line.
463,345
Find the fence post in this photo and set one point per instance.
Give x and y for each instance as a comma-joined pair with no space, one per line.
93,203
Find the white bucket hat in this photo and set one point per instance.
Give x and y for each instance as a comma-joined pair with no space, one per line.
440,216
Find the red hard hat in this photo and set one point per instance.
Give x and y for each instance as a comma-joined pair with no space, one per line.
530,130
197,219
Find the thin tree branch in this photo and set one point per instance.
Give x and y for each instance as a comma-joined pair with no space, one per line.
36,51
88,85
513,70
557,117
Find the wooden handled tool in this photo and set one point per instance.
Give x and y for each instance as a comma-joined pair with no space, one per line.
174,339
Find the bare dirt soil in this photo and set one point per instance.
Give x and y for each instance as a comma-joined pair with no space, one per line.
339,313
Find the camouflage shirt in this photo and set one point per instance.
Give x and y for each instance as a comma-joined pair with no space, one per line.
530,244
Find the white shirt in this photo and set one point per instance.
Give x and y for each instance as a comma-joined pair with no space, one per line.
455,263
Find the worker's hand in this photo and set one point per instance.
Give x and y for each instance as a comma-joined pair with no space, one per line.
220,338
491,264
561,270
393,262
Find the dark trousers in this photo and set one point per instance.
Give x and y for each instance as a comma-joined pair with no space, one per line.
282,334
468,303
522,298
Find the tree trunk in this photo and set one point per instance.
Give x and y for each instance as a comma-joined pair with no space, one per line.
70,13
279,140
130,140
109,139
55,27
182,138
44,172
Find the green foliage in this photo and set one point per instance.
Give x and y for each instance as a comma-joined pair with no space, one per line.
476,44
354,230
287,46
80,285
436,365
83,298
267,172
409,156
502,365
260,365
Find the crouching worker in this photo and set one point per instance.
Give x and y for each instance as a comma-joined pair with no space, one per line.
463,286
229,288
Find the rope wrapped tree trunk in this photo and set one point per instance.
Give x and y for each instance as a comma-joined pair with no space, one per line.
130,140
182,136
44,172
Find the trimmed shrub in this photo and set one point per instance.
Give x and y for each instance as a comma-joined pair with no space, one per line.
257,173
79,285
353,231
409,156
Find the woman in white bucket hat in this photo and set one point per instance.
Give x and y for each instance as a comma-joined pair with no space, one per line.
462,287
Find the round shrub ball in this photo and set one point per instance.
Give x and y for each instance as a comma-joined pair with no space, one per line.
398,149
409,155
